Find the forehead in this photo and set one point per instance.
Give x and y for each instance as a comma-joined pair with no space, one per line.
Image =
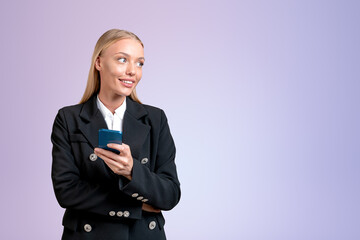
129,46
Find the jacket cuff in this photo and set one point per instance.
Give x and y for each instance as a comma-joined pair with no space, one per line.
136,187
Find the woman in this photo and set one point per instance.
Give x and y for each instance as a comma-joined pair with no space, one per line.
108,195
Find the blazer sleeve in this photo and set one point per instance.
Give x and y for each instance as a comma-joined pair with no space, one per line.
70,189
160,188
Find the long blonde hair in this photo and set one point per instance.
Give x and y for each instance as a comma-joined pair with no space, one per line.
108,38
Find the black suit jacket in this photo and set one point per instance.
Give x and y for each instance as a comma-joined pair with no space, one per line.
98,202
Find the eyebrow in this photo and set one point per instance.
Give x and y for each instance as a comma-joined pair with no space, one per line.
129,55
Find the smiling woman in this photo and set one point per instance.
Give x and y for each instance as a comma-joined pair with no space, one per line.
109,195
106,41
120,68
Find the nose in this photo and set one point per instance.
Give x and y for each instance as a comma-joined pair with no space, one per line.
130,70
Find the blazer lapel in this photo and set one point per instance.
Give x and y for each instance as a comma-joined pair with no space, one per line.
135,132
93,121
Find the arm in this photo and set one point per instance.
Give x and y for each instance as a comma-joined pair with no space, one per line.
160,188
70,189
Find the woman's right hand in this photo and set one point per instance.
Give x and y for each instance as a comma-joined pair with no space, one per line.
121,163
149,208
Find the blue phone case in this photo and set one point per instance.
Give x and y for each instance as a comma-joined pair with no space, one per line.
107,136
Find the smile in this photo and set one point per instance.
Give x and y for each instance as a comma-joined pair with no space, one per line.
126,81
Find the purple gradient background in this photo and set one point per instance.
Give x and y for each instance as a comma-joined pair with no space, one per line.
262,99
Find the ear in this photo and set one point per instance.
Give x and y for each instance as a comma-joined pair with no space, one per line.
97,64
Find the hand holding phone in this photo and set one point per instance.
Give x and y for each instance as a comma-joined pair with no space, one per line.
107,136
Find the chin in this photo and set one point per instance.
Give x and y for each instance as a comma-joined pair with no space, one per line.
125,94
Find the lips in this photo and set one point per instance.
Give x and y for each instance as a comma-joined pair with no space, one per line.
127,82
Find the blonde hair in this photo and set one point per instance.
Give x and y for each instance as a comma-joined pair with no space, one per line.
108,38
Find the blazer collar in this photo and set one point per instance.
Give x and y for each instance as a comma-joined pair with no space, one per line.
90,109
133,128
92,121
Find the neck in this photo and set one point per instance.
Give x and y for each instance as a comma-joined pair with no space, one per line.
112,102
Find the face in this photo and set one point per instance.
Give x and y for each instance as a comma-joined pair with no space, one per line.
120,67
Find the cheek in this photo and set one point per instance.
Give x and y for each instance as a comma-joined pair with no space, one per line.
115,70
139,75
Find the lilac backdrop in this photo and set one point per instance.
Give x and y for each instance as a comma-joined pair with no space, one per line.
262,99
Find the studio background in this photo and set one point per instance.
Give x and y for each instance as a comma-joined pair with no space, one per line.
262,99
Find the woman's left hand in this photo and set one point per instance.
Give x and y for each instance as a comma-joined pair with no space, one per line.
122,163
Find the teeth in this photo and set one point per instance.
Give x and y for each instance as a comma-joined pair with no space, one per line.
128,82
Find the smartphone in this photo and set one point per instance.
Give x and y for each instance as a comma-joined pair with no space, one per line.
107,136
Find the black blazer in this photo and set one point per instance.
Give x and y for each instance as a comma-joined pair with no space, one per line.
100,204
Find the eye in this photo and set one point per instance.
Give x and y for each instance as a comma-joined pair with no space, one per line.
139,64
122,60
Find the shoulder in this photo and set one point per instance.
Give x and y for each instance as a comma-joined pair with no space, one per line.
153,110
69,113
156,117
85,110
144,110
76,108
150,115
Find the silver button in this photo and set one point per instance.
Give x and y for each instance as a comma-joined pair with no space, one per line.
87,228
135,195
126,214
144,161
119,214
140,198
145,200
152,225
112,213
93,157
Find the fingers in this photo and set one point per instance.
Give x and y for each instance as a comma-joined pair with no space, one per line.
120,164
118,168
123,158
149,208
112,158
124,149
109,159
106,153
